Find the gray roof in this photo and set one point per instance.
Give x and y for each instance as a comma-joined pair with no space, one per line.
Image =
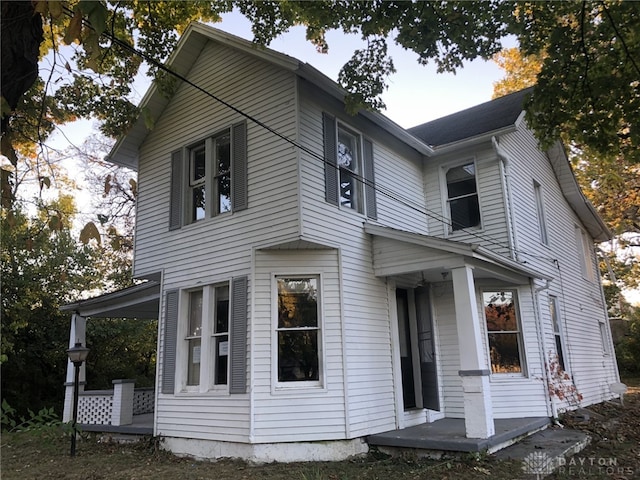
472,122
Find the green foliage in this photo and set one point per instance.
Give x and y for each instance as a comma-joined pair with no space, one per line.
121,348
42,268
587,87
628,350
43,421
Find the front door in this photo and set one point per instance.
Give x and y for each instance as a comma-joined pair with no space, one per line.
417,353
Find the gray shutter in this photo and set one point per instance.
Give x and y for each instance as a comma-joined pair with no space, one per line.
175,198
330,158
238,354
169,342
369,189
239,194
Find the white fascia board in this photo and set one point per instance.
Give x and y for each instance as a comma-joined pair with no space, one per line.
330,87
573,193
471,141
193,40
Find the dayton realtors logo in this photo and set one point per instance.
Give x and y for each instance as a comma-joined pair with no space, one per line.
540,464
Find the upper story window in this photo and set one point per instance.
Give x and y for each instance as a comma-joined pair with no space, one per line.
298,329
503,330
350,164
542,222
215,178
197,183
583,245
349,173
462,196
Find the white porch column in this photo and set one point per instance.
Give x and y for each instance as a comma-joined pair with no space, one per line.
478,410
77,334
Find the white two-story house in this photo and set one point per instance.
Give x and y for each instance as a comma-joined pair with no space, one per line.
321,278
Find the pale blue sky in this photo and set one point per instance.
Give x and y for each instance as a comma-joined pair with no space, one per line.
416,93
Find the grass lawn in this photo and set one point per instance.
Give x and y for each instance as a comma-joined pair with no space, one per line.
615,433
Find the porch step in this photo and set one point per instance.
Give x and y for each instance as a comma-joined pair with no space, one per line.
448,435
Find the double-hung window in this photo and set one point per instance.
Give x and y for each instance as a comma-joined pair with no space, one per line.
194,337
350,165
503,330
197,182
221,335
557,330
542,224
204,339
462,196
584,247
348,169
209,178
298,329
207,336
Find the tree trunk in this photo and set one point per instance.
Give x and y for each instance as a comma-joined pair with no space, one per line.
21,38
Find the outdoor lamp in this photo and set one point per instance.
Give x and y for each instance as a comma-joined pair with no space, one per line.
77,355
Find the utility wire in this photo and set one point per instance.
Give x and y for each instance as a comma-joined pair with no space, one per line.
378,188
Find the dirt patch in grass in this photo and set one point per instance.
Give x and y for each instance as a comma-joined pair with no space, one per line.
614,429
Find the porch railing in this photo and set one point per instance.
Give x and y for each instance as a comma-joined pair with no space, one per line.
114,407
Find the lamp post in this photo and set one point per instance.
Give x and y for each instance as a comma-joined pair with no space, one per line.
77,356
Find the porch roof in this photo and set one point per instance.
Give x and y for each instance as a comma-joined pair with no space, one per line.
138,301
439,255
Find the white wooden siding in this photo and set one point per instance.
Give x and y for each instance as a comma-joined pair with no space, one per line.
581,304
493,234
367,329
217,249
297,413
266,93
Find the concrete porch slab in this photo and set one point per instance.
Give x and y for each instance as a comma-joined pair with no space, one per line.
448,435
142,425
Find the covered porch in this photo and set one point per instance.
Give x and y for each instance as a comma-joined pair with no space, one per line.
461,415
123,409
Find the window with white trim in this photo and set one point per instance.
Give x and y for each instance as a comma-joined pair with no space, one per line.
209,186
207,337
542,222
584,247
298,329
462,197
194,337
557,330
604,337
503,331
350,169
209,178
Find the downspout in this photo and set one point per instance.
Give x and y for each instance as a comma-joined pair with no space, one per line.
506,196
551,407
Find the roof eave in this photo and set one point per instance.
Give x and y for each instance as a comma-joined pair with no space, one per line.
471,141
193,40
574,195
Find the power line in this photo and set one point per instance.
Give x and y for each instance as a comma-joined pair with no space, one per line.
395,196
